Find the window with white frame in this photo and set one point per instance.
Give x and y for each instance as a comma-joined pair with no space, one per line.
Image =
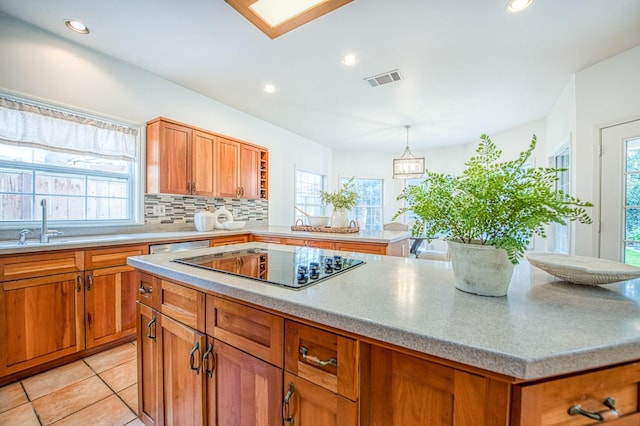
368,209
561,232
84,166
307,194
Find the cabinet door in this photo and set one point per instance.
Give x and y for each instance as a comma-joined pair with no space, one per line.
110,304
175,159
308,404
41,319
183,384
249,172
227,158
202,178
149,366
399,389
248,389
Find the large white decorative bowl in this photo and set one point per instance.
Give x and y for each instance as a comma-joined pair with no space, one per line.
318,221
232,225
582,269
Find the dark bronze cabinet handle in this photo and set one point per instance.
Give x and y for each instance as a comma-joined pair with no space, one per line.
285,405
205,361
611,413
192,366
149,325
79,283
144,290
89,282
315,360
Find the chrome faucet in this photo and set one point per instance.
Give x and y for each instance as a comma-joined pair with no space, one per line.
45,233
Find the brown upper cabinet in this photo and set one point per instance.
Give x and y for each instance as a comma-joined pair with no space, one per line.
185,160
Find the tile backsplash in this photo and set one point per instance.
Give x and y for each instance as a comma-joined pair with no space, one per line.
180,209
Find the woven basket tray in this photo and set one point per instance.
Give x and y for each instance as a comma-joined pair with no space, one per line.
353,228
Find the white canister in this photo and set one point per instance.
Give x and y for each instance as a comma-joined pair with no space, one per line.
204,220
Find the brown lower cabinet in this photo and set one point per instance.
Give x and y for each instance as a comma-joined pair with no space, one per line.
244,365
241,389
41,319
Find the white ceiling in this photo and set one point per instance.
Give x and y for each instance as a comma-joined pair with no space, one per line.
468,66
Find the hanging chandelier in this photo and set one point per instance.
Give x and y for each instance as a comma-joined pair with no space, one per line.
408,166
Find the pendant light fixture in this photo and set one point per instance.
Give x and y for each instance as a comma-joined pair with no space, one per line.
408,166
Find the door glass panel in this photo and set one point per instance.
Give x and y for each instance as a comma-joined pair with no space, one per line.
632,202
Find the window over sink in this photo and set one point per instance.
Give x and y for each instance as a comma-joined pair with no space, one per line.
85,166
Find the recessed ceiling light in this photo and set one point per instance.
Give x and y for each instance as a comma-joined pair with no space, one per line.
514,6
349,60
269,88
76,26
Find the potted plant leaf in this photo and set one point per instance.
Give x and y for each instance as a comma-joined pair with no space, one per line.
342,200
489,214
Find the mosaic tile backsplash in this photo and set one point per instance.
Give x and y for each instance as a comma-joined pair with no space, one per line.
180,209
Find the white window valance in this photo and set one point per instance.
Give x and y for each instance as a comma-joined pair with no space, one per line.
23,123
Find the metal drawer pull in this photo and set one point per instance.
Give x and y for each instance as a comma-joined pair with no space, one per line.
145,290
310,358
196,347
285,405
604,415
149,325
205,361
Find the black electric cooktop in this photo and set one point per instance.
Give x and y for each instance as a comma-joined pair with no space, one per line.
294,269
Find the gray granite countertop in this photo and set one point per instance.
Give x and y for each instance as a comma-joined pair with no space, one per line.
88,241
543,327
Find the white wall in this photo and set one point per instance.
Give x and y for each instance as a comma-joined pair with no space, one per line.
607,93
45,67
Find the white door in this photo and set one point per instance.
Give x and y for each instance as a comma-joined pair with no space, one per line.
620,193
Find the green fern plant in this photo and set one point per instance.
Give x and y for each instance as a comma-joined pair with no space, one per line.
502,204
344,198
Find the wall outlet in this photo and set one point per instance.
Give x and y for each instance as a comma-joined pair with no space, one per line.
236,213
159,210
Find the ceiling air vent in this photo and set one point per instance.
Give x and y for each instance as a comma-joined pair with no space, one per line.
384,78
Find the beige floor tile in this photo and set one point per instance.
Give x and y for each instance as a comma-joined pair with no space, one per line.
22,415
110,411
108,359
130,397
50,381
121,376
68,400
11,396
136,422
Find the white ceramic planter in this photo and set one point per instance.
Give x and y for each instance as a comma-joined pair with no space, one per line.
481,270
340,218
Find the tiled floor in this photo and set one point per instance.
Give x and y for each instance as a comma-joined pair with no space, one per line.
97,390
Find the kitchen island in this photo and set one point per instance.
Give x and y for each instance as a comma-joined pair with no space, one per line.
393,321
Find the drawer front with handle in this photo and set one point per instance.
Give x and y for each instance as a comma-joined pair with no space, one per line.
611,394
322,357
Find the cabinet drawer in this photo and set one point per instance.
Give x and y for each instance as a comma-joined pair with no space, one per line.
361,248
322,357
183,304
115,256
224,241
548,403
251,330
39,265
266,239
328,245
